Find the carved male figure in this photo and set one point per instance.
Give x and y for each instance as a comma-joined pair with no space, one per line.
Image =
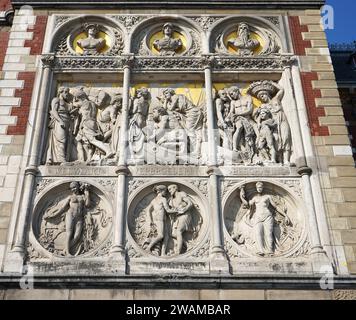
74,208
244,43
168,46
189,116
88,134
59,125
222,105
240,113
182,205
92,45
157,214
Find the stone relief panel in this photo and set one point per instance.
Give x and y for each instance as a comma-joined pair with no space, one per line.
167,124
167,220
170,38
84,126
264,220
253,127
71,219
245,38
91,38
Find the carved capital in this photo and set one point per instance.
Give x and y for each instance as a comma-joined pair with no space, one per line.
122,170
128,61
48,60
305,171
288,61
207,61
31,171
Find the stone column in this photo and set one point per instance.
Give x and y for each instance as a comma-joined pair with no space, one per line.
318,230
118,249
16,257
218,260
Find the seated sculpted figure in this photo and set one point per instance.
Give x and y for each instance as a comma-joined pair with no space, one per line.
92,45
168,46
244,44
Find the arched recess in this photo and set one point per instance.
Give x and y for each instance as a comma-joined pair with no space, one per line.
64,36
190,33
262,30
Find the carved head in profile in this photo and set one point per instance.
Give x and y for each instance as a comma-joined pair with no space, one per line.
172,189
64,93
223,95
168,93
160,189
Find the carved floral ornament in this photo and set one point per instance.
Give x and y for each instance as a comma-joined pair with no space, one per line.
264,220
167,219
71,219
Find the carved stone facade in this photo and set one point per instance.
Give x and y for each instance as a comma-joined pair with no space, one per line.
169,144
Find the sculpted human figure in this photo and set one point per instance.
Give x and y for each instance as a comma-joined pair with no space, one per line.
87,131
261,216
108,118
189,116
182,205
59,126
74,207
92,45
244,44
157,214
222,105
168,46
241,115
271,95
139,112
265,143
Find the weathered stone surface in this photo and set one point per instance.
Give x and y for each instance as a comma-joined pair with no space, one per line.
36,294
298,295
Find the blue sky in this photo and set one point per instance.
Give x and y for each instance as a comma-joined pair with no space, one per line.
345,21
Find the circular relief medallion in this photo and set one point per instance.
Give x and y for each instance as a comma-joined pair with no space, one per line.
167,219
264,220
72,219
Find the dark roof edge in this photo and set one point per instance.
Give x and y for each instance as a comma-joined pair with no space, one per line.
172,4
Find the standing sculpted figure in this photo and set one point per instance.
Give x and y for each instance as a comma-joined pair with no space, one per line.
59,128
261,214
189,116
139,112
222,105
92,45
244,44
182,205
87,131
241,115
271,95
74,208
157,214
168,46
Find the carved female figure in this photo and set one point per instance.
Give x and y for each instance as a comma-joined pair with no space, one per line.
140,106
271,95
182,205
59,124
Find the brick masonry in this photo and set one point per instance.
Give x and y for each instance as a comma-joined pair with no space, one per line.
330,134
24,43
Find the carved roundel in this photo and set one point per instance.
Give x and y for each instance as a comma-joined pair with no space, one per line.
72,219
167,219
264,220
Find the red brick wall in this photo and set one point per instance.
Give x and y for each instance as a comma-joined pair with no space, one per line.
4,39
22,112
310,94
5,5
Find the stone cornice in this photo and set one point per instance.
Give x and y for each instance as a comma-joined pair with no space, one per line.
173,4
